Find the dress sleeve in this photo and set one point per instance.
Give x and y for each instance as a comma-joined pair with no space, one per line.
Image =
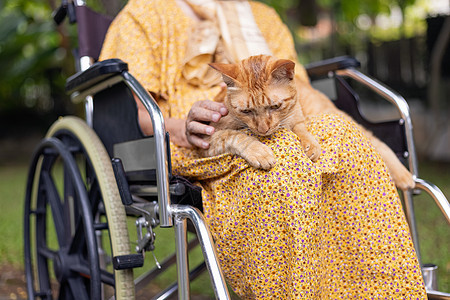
277,35
128,40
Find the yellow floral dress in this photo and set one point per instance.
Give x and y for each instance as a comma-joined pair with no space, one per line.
333,229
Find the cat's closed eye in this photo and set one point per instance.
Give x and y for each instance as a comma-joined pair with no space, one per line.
246,111
275,106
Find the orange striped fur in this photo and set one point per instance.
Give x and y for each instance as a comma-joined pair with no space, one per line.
259,84
262,96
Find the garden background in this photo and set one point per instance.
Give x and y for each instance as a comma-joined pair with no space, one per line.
403,43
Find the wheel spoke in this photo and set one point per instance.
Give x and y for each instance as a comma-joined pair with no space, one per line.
94,196
83,269
74,288
107,277
64,293
47,253
78,241
55,205
78,288
43,275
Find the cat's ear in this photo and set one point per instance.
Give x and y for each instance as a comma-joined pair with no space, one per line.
283,69
229,72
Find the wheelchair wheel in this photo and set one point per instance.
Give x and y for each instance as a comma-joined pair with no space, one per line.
74,219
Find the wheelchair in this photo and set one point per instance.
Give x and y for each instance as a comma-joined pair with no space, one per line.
90,179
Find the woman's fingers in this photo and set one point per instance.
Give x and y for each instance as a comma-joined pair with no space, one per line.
197,123
194,132
207,111
203,114
215,106
197,141
198,128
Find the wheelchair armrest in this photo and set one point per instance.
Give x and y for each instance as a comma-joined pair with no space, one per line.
437,195
96,73
323,67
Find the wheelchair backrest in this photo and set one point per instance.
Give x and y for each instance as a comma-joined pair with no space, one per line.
115,117
92,28
392,133
114,110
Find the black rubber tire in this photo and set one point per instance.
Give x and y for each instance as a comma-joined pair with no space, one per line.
81,211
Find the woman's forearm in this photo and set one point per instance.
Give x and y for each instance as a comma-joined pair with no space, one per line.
175,127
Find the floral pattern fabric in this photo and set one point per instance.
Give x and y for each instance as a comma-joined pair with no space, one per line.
333,229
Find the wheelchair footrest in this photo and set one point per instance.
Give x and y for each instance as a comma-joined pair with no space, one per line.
129,261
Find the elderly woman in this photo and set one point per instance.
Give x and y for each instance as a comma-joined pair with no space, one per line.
303,230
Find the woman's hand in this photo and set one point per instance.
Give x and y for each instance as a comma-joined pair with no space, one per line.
197,123
177,131
189,132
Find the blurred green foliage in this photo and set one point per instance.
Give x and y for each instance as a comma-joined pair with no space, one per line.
346,11
31,56
36,56
351,25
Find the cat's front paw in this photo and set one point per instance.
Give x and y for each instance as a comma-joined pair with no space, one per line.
311,147
309,143
259,156
403,179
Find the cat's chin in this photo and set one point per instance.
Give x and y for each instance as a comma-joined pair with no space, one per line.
268,133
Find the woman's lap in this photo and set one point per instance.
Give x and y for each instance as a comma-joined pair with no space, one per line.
327,229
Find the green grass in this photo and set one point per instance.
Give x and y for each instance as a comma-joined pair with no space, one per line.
164,246
433,229
12,191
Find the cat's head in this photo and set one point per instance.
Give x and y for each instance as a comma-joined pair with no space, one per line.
260,91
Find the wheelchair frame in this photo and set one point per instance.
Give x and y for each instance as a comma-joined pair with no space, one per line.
94,78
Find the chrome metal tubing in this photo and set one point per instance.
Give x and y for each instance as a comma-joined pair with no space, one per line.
89,110
400,103
431,189
79,2
409,212
207,245
437,196
159,132
167,292
429,272
173,287
143,280
395,99
182,257
85,62
436,295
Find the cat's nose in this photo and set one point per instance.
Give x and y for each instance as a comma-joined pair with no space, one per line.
263,128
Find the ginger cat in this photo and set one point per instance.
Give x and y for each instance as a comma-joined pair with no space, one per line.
261,96
314,102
